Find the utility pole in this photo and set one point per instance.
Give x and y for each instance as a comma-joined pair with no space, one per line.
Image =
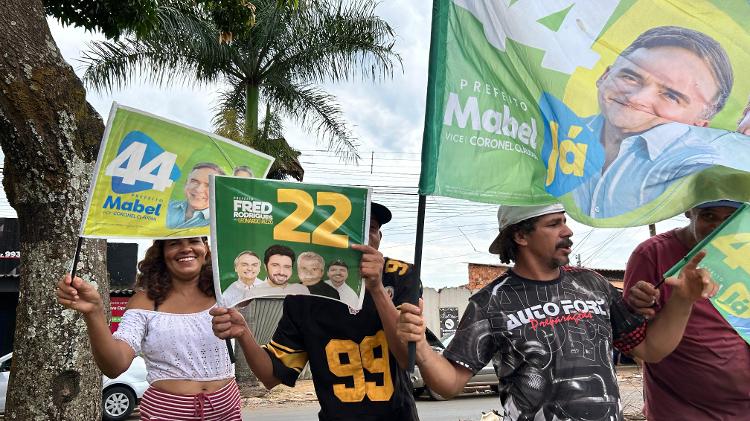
578,259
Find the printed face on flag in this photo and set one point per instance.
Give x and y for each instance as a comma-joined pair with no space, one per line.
653,86
624,112
338,274
196,189
247,267
279,269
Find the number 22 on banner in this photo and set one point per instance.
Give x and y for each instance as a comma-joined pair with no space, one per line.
322,235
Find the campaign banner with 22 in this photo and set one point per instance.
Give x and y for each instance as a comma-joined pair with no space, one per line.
151,177
275,238
727,251
626,111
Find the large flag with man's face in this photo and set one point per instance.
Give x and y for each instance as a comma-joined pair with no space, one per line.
627,112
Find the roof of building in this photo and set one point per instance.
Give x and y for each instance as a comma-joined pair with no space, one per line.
478,279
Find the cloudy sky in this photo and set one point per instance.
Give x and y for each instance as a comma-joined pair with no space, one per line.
387,119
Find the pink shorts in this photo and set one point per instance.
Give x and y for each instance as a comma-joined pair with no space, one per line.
222,405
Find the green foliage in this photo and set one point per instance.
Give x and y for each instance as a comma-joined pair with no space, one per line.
281,61
235,16
229,122
112,17
116,17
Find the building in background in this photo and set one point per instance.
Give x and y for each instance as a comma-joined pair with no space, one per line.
10,259
441,303
481,274
121,267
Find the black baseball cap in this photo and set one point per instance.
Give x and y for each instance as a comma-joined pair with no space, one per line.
380,213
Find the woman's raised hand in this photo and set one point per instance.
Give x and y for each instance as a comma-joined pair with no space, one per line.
78,295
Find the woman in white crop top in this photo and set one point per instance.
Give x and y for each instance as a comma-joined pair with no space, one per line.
167,321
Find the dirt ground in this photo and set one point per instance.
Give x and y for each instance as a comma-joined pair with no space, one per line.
281,395
629,379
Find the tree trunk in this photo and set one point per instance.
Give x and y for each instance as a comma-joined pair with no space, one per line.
50,136
251,113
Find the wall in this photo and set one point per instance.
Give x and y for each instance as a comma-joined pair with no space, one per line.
481,274
444,297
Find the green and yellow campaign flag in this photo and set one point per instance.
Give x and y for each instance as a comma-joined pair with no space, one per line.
626,111
272,238
728,261
151,177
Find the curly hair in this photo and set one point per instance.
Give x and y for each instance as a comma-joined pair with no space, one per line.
154,278
508,245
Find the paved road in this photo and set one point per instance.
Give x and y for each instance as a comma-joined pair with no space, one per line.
464,408
468,407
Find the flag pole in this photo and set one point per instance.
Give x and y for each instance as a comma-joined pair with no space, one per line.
412,346
433,119
76,258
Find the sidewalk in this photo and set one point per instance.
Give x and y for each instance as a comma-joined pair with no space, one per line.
628,376
631,391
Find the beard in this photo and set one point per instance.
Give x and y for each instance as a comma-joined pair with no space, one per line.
557,262
280,280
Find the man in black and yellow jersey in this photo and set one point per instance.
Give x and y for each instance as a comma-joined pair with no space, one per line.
355,357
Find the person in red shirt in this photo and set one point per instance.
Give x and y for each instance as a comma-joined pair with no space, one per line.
707,377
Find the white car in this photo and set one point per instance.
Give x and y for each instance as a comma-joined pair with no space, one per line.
119,395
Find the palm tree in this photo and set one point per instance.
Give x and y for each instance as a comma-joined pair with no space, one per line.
281,61
231,124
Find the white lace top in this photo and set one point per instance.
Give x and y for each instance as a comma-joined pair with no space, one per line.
176,346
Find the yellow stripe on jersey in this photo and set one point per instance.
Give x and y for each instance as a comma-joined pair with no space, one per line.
291,358
285,348
393,265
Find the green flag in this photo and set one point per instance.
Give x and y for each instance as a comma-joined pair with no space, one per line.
151,176
728,261
627,112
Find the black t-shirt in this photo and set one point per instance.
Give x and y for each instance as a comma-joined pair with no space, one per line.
355,376
551,343
322,288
